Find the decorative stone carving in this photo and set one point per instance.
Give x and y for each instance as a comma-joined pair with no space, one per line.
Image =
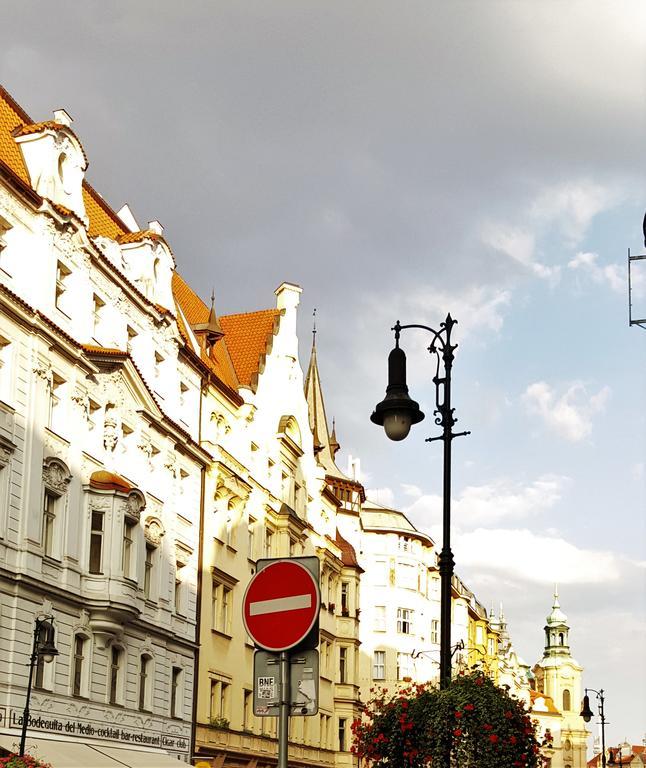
110,431
56,475
81,398
135,504
6,449
182,554
170,461
153,531
43,370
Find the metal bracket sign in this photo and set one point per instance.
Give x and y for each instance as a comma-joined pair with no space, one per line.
303,684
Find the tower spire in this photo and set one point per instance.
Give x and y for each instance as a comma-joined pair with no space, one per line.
314,328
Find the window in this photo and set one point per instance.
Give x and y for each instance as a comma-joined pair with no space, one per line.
149,568
250,539
176,693
435,631
269,542
405,621
406,576
97,316
247,710
221,607
566,700
62,275
380,618
220,690
127,554
116,675
5,369
381,573
79,666
479,635
131,336
56,413
4,228
342,734
404,544
145,683
379,665
158,368
404,666
345,598
96,541
49,523
178,593
343,664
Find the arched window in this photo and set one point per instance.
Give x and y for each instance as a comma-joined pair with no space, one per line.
566,700
56,479
561,638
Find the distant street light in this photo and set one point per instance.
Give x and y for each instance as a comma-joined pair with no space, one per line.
587,714
43,648
396,413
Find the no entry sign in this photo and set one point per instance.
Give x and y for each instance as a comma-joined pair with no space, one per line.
281,605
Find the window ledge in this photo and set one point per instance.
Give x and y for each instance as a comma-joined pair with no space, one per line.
221,633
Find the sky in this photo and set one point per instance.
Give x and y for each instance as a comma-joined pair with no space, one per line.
403,160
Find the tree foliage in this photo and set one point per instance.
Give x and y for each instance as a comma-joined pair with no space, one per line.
478,724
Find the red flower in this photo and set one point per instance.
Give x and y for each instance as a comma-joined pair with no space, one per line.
479,680
512,739
508,715
469,707
459,714
457,732
493,738
487,727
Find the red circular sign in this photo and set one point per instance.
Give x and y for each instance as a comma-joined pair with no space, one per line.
281,605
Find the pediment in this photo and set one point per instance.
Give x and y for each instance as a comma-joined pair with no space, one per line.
122,386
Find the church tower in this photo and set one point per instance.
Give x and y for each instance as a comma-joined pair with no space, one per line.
558,675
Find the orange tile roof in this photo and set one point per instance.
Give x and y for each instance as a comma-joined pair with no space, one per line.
196,312
348,554
107,351
103,220
247,336
135,237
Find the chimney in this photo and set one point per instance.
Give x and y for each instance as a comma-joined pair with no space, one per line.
62,117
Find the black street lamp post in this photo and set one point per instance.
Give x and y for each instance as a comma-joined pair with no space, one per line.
587,714
43,648
396,413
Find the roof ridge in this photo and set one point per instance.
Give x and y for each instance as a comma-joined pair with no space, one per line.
273,310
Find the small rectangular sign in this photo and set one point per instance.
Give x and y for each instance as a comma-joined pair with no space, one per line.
303,684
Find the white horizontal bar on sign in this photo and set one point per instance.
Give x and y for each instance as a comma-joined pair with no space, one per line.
278,604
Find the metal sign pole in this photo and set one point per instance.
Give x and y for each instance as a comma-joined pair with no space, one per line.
283,719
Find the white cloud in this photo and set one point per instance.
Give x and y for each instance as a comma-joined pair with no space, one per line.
519,245
411,490
612,275
568,415
490,503
534,557
572,205
567,207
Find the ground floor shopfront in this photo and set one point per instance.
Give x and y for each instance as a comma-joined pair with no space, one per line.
223,748
68,753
